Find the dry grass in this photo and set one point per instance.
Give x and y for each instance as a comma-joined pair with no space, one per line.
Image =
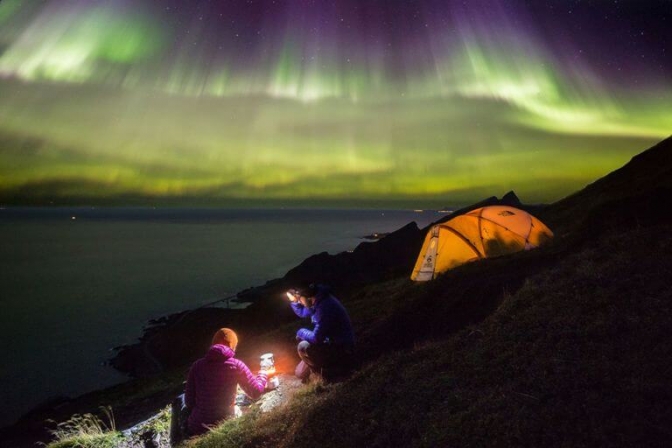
86,431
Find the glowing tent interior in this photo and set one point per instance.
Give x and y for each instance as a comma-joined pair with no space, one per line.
482,233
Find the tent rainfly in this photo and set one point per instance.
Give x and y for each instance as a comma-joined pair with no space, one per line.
482,233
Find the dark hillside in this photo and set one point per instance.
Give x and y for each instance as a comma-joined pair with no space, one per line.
455,300
578,356
644,182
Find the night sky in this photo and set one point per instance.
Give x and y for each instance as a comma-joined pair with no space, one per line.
414,103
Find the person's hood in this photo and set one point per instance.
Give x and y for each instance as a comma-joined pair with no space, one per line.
323,291
219,353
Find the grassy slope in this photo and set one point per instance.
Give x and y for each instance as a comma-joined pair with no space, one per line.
578,356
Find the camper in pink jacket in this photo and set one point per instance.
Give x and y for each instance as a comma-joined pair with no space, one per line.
212,381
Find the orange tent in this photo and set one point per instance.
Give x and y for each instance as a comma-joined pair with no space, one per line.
481,233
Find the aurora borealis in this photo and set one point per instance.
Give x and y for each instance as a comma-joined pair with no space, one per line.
418,102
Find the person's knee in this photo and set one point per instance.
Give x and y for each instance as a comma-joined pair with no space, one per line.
302,348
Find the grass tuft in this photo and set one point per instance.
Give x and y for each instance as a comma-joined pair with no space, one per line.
86,431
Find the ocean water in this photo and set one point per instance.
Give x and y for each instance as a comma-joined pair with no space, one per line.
75,282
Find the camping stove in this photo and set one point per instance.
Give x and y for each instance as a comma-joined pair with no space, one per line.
267,362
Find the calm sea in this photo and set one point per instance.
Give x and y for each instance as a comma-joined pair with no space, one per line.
75,282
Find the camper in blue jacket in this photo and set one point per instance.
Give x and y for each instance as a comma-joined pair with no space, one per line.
327,350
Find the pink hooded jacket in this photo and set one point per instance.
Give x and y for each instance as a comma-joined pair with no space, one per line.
211,387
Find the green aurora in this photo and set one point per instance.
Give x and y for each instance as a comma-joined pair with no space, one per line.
108,104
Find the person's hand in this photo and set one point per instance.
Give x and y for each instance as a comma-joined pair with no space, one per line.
292,295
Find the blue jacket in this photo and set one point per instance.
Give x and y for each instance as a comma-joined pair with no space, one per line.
332,323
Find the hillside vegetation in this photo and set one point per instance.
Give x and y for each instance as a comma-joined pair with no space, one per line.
577,356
